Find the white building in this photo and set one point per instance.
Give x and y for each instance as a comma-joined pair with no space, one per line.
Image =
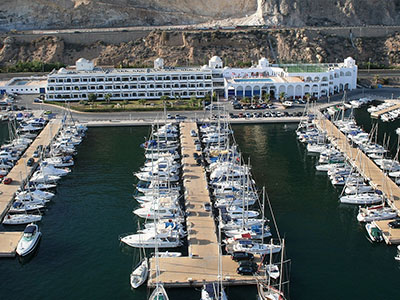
294,80
24,85
151,83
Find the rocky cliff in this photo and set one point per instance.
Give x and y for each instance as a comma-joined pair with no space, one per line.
196,47
44,14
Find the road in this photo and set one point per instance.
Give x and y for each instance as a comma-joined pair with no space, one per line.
27,101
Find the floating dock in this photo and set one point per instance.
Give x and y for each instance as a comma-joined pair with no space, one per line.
369,170
201,265
9,240
378,113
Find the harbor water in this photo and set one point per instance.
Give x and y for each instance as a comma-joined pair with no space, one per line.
79,256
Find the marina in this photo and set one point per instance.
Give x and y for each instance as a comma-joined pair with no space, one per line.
393,105
202,263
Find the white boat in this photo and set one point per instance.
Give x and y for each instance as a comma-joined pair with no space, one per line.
212,291
153,213
397,257
60,162
139,274
22,207
29,240
267,292
39,177
369,214
21,219
316,148
168,254
374,233
159,293
273,271
147,240
358,189
255,248
49,169
361,199
32,195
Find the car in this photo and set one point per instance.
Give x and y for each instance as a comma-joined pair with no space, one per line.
30,162
197,142
207,206
248,263
199,161
37,100
394,224
179,117
241,115
7,180
169,117
198,147
246,270
193,133
48,112
240,255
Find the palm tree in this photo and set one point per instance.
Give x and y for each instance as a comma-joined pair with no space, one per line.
267,97
282,96
142,101
307,96
107,97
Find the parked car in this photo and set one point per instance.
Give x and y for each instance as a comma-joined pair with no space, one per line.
198,147
394,224
193,133
248,263
30,162
7,180
207,206
246,270
239,256
169,117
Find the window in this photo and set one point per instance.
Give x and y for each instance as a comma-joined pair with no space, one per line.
84,79
75,80
109,79
101,79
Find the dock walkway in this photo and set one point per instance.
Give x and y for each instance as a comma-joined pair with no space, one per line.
9,240
378,113
202,263
369,170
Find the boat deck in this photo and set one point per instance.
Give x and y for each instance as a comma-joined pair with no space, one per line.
367,168
21,172
378,113
202,263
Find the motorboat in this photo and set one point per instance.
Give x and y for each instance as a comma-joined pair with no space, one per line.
49,169
140,273
36,194
272,271
376,213
212,291
361,199
29,240
252,232
147,240
397,257
22,207
39,177
21,219
60,162
358,189
374,233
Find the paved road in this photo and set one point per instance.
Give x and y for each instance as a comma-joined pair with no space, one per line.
27,101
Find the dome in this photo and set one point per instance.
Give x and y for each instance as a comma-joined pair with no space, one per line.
216,59
62,71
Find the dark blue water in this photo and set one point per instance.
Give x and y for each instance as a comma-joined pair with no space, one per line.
80,257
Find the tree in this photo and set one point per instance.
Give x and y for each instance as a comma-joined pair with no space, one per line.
142,101
107,97
193,101
307,96
92,97
246,100
376,79
282,96
267,97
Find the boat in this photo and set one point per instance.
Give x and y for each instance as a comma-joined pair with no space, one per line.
272,271
397,257
374,233
159,293
255,248
168,254
147,240
376,213
21,219
212,291
22,207
361,199
140,273
29,240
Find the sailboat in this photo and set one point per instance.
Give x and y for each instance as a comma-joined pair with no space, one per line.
140,273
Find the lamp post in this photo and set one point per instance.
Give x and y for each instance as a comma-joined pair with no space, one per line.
369,64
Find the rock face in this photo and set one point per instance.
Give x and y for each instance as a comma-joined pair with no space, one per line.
45,14
196,47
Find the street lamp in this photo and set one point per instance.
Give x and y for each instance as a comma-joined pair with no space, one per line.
369,64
